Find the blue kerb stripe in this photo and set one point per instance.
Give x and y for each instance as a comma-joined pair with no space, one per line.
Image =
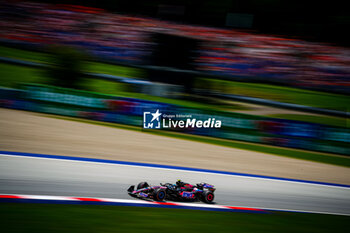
166,166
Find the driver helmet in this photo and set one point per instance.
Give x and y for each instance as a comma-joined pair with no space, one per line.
179,182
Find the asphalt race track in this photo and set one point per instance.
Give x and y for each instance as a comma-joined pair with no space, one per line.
41,176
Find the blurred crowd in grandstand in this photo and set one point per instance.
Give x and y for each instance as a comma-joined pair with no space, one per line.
222,51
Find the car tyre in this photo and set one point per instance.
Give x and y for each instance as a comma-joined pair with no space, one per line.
159,195
208,197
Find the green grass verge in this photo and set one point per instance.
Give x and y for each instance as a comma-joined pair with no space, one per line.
24,54
102,68
55,218
284,94
278,93
280,151
13,75
326,120
94,67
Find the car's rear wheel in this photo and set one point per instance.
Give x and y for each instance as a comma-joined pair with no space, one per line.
159,195
142,185
208,197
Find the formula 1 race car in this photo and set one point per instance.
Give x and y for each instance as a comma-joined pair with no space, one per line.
175,192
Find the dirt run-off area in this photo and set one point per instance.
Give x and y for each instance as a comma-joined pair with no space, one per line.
23,131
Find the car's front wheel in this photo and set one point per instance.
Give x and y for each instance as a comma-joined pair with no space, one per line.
159,195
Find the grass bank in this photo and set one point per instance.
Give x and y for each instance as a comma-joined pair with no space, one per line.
284,94
326,120
13,76
91,218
